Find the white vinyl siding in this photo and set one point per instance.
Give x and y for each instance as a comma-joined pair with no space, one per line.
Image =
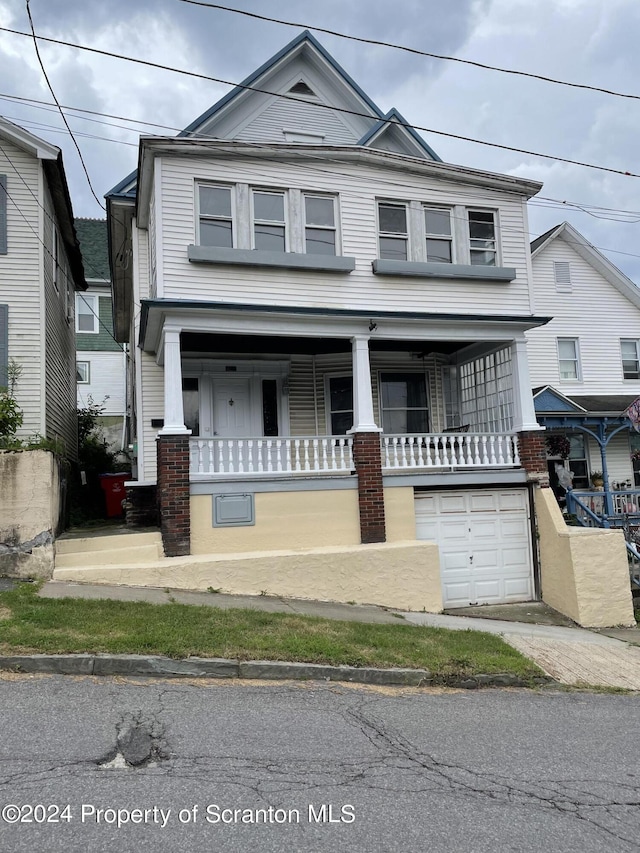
21,282
106,385
594,311
360,188
284,116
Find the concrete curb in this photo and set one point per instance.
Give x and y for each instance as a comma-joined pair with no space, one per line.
164,667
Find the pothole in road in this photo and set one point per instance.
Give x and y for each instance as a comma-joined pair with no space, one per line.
139,743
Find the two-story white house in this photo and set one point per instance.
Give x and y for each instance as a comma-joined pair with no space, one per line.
40,272
327,327
585,363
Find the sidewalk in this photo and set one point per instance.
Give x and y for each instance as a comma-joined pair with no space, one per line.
570,655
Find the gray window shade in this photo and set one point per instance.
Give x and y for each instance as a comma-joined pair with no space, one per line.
4,346
3,214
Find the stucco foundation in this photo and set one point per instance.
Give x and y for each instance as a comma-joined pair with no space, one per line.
283,521
400,513
405,575
29,512
584,571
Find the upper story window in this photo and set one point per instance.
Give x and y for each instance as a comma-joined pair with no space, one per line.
393,231
216,216
87,313
569,358
630,349
83,372
319,224
269,224
439,237
482,237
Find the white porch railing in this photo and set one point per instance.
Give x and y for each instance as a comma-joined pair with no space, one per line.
312,455
265,456
450,450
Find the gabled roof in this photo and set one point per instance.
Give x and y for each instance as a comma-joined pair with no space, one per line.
280,78
394,122
260,75
591,255
548,400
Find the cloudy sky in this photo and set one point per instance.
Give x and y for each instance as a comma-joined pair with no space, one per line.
593,42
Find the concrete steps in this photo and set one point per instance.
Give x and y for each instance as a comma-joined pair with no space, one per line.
108,550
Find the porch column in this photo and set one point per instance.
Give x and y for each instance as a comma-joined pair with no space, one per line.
173,456
524,413
367,454
531,436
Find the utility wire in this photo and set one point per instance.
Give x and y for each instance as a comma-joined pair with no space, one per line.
64,118
589,209
288,97
411,50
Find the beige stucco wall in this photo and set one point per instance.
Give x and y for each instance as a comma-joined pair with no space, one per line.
400,513
283,521
584,571
405,575
29,512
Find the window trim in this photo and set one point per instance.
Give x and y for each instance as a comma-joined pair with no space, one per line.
578,376
496,232
635,341
381,408
94,312
285,213
450,238
86,381
335,228
406,236
327,398
200,216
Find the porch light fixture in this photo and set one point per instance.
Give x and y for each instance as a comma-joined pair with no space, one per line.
372,326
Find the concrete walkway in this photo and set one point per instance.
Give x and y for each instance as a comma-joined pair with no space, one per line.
571,655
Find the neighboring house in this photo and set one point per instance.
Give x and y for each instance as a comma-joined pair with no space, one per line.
101,360
40,272
328,331
585,363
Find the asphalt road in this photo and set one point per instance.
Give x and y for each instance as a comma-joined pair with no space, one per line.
321,767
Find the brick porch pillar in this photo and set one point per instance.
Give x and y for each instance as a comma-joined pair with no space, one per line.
368,462
173,454
533,456
366,447
173,494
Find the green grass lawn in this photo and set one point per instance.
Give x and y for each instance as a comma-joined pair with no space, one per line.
53,626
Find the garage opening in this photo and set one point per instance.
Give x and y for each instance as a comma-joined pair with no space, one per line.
484,537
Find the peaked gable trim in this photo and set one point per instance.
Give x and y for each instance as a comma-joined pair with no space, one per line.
543,396
27,141
394,119
592,256
249,82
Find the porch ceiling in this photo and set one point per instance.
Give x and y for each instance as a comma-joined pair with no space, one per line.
203,343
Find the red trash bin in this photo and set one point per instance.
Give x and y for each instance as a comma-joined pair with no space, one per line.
114,492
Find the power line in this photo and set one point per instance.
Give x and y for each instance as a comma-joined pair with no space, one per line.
64,118
405,124
43,105
411,50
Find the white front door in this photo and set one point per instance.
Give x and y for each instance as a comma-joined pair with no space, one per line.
232,408
484,542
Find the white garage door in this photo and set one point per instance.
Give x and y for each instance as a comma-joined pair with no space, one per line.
485,544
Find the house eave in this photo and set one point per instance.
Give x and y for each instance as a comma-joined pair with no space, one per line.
239,318
152,147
